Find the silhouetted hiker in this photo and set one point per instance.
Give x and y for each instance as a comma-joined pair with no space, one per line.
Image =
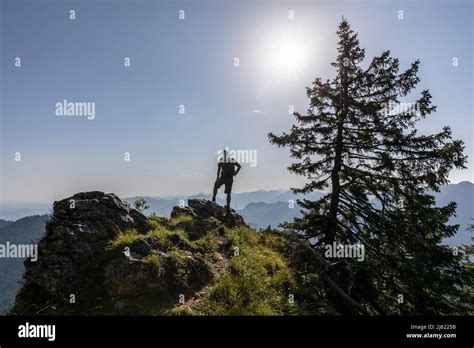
225,176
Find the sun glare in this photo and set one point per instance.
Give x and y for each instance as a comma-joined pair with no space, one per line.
286,55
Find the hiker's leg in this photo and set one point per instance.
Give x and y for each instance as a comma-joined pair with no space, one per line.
214,192
228,191
228,202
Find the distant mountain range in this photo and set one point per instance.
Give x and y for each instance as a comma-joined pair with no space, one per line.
263,214
463,195
14,211
4,223
27,230
162,205
263,208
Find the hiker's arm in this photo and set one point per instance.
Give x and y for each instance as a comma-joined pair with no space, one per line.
218,170
238,167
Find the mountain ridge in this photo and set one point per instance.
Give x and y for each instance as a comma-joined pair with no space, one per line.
162,205
23,231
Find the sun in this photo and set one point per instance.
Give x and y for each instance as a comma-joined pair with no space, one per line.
285,54
287,57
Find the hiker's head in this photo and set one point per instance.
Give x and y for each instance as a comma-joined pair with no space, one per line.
221,156
225,156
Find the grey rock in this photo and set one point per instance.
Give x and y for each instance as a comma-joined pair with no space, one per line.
72,249
208,211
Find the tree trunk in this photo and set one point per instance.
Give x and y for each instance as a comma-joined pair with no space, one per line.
336,186
336,190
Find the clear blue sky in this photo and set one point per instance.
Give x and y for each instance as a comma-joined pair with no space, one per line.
190,62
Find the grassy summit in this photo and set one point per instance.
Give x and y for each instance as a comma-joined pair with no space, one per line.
250,271
101,257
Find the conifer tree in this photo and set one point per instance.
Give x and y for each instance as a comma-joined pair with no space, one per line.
359,143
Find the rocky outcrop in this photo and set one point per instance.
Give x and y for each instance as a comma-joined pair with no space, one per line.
210,212
72,251
99,253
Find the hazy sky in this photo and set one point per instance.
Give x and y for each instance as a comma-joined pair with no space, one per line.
191,62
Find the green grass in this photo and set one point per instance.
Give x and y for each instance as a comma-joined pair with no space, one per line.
170,236
124,239
195,228
155,260
257,281
182,220
164,238
207,247
180,266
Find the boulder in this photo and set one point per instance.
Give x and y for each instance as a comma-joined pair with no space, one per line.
205,210
72,249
